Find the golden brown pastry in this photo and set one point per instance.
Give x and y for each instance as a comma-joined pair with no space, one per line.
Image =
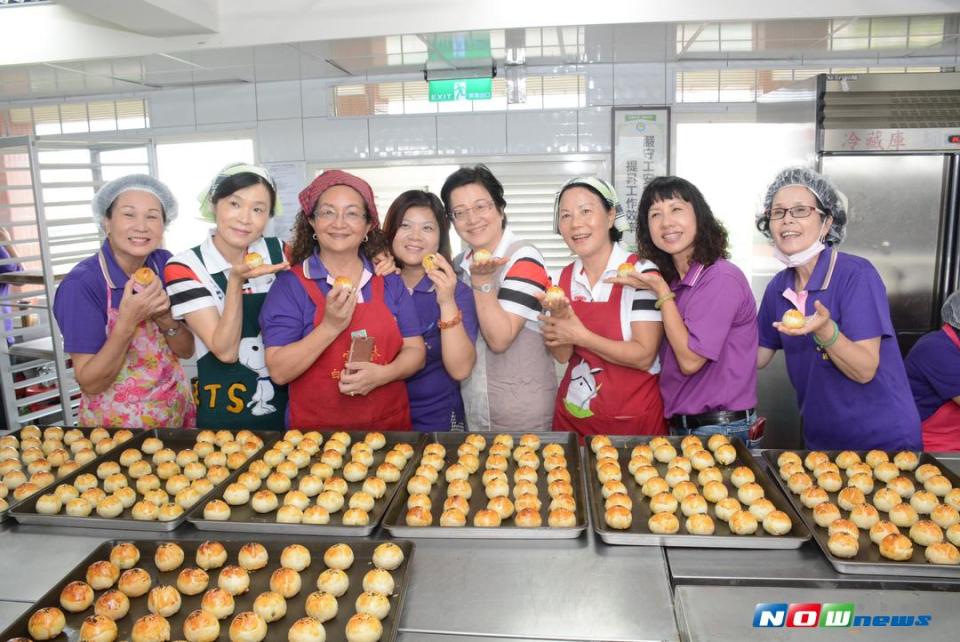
896,547
799,482
134,582
561,518
777,523
378,580
743,523
98,628
906,460
454,518
813,496
750,492
375,604
211,554
924,501
46,623
843,526
419,516
164,600
102,575
338,556
618,517
850,497
903,515
725,454
926,533
248,627
885,499
295,556
761,508
150,628
201,626
76,597
938,485
945,516
663,524
168,556
363,627
843,545
218,603
387,556
125,555
487,518
286,582
881,529
270,606
192,581
112,604
864,516
333,581
726,508
700,524
942,553
234,580
321,606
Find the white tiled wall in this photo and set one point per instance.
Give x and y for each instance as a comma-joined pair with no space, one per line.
292,119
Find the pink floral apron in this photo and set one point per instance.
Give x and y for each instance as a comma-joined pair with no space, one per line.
151,390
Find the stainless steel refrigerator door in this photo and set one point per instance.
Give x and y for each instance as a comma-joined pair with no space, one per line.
895,205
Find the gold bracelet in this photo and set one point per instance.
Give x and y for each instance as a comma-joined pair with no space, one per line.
455,321
666,297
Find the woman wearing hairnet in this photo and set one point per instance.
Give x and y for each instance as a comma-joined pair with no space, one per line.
933,368
828,312
115,318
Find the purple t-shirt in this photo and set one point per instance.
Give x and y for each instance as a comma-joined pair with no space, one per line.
839,413
933,369
80,304
6,268
720,313
287,312
435,401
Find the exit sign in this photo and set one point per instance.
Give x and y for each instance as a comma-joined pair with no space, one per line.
442,91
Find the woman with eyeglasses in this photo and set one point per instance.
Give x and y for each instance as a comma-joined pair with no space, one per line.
418,231
514,382
828,312
218,287
342,337
607,334
708,375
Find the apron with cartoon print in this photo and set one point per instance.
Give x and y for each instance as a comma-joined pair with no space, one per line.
941,430
597,397
241,394
316,402
150,391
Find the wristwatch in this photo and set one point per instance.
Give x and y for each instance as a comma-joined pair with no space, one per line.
485,288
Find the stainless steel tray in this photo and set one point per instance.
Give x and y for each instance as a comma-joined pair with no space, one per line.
175,438
259,582
639,533
868,560
395,521
243,519
86,432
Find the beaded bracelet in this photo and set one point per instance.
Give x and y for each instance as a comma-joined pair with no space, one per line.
829,342
455,321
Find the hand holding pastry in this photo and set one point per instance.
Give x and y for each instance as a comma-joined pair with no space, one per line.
361,378
819,324
253,266
650,280
138,306
555,301
562,330
443,277
383,264
341,302
483,266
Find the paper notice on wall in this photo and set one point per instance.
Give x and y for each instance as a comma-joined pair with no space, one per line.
291,177
641,151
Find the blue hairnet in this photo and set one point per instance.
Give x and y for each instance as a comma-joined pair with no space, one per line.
109,192
830,199
950,312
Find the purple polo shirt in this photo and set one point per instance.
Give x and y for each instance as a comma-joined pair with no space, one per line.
435,401
287,312
719,311
933,369
839,413
80,304
6,268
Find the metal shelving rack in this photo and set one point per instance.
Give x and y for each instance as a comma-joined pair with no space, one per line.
45,192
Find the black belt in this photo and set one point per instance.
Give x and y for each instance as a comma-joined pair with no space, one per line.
718,417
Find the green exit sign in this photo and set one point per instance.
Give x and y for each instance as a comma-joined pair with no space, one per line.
442,91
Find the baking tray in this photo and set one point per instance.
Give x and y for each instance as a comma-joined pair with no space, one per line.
868,560
175,438
395,519
259,582
243,519
639,533
86,433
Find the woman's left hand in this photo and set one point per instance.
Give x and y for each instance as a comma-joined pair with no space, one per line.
561,331
652,281
819,320
360,378
444,278
383,264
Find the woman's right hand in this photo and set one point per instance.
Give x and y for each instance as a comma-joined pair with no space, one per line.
244,272
341,303
138,306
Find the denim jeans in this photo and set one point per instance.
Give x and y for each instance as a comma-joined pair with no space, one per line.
739,429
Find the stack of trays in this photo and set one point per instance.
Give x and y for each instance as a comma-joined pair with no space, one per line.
897,512
315,483
635,480
457,492
147,485
204,591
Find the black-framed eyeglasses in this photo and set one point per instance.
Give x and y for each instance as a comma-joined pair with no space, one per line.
799,211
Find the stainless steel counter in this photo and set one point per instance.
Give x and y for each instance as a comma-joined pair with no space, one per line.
542,590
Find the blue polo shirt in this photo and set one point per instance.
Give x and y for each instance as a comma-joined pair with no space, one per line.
435,401
6,268
80,304
839,413
933,368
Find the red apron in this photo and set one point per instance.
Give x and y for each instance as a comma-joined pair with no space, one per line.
941,430
316,402
597,397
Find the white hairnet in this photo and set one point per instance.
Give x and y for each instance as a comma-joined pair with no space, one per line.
950,312
829,199
107,194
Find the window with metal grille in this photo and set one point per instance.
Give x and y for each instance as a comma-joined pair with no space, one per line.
73,118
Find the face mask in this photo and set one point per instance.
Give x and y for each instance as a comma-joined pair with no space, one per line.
801,257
